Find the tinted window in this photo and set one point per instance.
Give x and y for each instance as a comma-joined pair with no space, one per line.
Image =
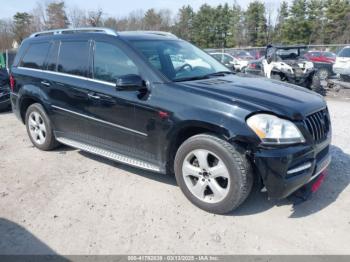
316,54
328,54
227,59
35,56
52,57
74,58
178,60
344,53
110,63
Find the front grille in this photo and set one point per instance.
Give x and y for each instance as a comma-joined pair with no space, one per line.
318,125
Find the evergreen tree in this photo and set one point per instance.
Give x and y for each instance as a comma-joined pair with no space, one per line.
222,25
337,12
255,22
152,20
280,28
204,27
21,25
316,21
184,25
297,26
236,29
56,15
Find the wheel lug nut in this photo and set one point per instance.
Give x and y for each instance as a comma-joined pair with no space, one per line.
203,179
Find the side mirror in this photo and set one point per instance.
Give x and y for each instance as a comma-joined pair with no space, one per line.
130,83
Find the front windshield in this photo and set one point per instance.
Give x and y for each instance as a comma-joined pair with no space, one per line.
178,60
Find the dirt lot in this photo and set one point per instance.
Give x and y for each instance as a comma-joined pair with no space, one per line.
69,202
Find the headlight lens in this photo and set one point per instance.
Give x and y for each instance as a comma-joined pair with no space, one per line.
274,130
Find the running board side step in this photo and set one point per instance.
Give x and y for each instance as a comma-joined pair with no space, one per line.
109,154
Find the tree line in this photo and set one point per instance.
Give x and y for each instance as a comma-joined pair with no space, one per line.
227,25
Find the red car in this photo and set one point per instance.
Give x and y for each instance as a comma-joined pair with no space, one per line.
320,57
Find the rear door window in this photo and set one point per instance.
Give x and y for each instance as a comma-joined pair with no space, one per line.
52,56
74,58
35,56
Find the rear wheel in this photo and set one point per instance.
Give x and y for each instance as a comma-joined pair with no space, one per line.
212,173
39,128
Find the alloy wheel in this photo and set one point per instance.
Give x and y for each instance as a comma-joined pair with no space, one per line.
206,176
37,128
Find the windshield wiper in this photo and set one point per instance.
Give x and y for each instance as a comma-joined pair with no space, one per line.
220,73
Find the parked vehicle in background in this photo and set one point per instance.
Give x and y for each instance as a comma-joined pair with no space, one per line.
257,54
4,89
323,62
107,93
255,67
242,59
342,64
226,59
286,63
321,57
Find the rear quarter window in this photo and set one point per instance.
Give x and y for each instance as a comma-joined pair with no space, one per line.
35,56
74,58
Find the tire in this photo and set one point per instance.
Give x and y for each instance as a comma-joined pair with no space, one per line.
323,73
316,85
39,128
234,187
276,77
345,78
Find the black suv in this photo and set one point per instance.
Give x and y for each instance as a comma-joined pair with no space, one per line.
153,101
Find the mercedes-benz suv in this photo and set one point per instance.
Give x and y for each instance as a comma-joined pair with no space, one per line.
156,102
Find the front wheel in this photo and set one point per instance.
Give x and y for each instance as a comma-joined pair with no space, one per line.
212,173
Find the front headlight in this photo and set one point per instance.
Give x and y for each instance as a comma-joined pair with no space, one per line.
274,130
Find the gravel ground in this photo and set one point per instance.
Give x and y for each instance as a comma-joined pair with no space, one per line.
70,202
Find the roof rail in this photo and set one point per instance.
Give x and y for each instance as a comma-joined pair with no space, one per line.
161,33
107,31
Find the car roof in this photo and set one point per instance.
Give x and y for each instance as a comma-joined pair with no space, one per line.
102,32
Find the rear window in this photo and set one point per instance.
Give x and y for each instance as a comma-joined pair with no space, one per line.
74,58
35,56
344,53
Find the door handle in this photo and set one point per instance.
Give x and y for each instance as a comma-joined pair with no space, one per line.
45,83
93,96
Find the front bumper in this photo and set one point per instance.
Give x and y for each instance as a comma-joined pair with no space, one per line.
284,170
341,70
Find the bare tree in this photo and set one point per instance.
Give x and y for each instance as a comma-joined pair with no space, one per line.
112,23
39,17
77,17
95,18
135,20
6,35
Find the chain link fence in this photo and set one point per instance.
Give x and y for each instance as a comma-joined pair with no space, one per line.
257,51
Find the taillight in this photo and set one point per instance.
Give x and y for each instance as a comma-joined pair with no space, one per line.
252,66
12,82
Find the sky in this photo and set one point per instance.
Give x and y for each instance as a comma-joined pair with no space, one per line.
118,8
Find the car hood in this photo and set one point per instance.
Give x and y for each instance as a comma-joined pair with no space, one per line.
261,94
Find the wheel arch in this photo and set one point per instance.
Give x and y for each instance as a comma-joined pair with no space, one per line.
28,96
186,130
